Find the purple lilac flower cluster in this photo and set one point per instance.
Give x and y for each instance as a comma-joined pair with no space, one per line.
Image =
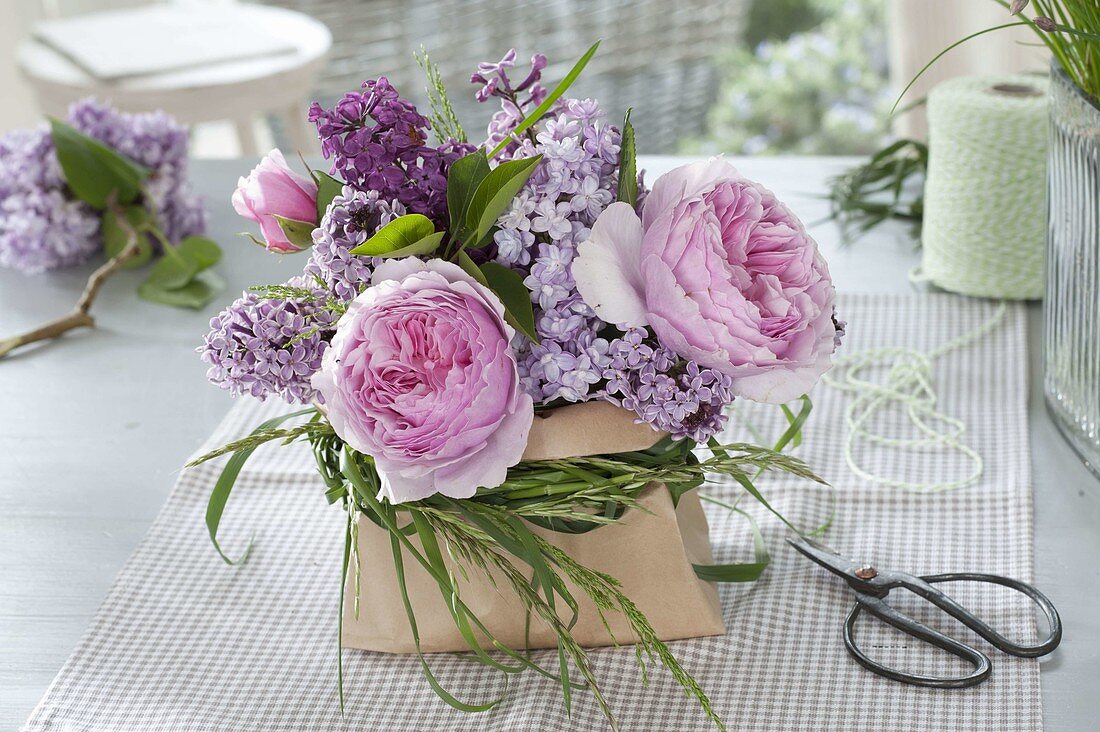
352,218
261,346
378,142
675,396
43,228
158,142
579,356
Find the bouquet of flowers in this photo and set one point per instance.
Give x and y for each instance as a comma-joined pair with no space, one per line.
503,347
110,182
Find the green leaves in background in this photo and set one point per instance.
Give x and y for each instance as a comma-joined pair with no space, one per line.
116,234
182,278
509,287
404,236
298,233
495,193
95,173
628,165
543,108
328,188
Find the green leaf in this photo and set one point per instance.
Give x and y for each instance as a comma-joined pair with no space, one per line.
328,188
495,193
746,572
793,433
462,180
298,233
628,165
116,237
470,267
93,171
508,285
203,252
543,108
402,232
179,277
195,294
215,505
427,245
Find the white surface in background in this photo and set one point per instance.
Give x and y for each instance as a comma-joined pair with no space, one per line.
157,39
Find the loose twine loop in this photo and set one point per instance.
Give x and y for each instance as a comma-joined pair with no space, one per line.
910,386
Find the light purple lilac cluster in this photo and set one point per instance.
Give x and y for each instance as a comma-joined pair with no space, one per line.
580,357
43,228
261,346
379,142
352,218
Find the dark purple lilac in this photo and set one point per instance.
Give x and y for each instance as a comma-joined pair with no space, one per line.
378,142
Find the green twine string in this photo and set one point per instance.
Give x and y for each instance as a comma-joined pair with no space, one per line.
909,385
984,230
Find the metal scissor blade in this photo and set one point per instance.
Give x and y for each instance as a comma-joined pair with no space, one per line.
831,560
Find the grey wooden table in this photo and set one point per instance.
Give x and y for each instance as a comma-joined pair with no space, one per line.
93,430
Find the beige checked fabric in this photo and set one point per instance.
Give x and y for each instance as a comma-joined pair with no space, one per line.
185,643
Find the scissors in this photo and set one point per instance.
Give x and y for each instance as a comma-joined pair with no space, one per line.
872,585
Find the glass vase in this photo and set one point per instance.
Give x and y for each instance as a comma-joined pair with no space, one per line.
1071,337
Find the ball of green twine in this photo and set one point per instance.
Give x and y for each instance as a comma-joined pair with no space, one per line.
984,230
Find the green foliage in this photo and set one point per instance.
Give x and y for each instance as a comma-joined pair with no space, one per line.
328,188
444,120
116,228
553,96
463,179
298,233
401,233
628,165
181,277
821,91
494,195
509,287
888,186
95,173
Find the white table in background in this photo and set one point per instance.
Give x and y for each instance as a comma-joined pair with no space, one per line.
236,90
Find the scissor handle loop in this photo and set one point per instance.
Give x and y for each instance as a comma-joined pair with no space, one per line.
878,607
967,618
982,666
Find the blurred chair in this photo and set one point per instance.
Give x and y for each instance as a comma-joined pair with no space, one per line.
920,30
657,56
228,89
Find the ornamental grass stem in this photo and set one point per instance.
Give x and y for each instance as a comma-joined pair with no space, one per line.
78,317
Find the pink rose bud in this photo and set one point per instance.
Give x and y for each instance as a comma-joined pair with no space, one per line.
421,376
273,189
725,275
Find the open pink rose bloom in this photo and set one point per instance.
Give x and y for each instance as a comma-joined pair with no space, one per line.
723,273
420,376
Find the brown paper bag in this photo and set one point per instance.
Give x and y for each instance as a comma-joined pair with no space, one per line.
649,553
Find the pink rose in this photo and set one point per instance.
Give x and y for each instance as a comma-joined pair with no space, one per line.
271,189
420,376
723,273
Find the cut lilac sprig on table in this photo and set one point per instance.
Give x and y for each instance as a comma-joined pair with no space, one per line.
106,182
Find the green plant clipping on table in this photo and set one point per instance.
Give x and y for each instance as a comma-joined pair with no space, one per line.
889,186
